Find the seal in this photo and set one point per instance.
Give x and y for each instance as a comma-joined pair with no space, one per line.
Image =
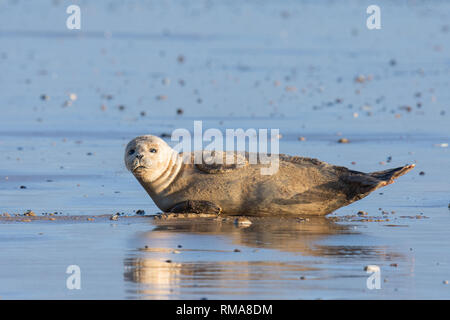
300,186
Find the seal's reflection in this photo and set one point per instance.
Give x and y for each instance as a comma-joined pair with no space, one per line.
208,266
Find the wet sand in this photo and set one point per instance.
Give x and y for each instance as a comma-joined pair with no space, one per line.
214,257
132,66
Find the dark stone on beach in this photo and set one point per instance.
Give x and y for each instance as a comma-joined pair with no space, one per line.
180,111
140,212
22,187
237,250
406,108
394,265
421,173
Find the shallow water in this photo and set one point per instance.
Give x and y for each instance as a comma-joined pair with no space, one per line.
260,64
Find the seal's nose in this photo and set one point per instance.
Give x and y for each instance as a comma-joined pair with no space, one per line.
139,156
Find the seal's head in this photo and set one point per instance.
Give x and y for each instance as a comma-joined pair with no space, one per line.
148,157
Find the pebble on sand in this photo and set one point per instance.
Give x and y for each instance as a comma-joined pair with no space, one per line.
29,213
241,221
371,268
360,79
343,140
291,89
395,265
442,145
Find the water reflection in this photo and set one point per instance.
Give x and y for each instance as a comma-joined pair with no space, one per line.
273,258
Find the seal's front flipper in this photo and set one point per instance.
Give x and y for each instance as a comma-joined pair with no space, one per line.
196,206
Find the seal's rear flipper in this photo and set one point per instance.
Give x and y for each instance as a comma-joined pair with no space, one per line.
359,184
391,174
196,206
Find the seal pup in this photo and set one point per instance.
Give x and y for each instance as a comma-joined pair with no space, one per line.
301,186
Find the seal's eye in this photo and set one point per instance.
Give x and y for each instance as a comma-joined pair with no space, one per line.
131,152
153,150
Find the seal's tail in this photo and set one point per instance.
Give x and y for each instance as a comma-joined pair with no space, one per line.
391,174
